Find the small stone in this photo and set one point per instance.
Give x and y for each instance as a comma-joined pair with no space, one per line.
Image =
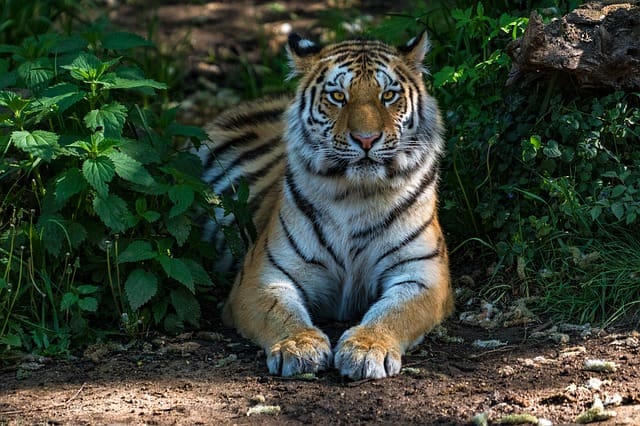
272,410
600,366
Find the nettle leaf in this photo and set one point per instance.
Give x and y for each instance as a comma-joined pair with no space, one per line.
68,184
178,270
182,197
131,170
110,118
140,287
191,132
61,97
200,276
77,234
113,212
113,81
122,40
137,251
36,74
98,172
39,143
148,215
88,304
84,67
68,300
88,68
179,227
54,233
186,305
86,289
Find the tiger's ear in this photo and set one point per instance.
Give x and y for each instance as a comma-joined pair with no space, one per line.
302,54
416,49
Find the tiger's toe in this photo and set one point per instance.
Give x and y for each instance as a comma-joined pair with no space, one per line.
364,354
308,351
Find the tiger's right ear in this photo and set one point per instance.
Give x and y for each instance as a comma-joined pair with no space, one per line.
302,54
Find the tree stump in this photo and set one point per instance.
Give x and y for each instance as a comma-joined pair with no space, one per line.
597,44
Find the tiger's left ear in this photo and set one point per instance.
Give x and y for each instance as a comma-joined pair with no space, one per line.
416,49
302,54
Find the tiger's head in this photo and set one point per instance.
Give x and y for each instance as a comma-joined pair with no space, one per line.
361,109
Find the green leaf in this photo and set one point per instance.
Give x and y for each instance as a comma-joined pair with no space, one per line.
131,170
618,190
88,68
110,118
112,81
86,289
88,304
173,324
140,287
113,212
618,210
179,227
53,233
68,300
61,96
84,67
182,197
192,132
552,150
77,234
36,74
68,184
98,172
39,143
159,310
186,305
137,251
123,40
11,340
178,270
200,276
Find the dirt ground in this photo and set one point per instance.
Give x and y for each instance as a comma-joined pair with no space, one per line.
213,378
499,365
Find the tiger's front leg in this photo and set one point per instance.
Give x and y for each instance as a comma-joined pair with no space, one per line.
408,308
266,306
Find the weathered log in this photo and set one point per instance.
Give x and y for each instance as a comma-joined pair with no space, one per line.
597,44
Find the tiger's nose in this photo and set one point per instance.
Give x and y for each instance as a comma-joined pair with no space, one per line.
366,140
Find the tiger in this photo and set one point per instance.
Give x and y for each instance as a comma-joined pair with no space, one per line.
343,188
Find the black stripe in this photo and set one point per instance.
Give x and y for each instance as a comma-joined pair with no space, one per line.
395,213
220,149
409,238
431,255
251,117
296,284
295,245
252,177
248,155
311,213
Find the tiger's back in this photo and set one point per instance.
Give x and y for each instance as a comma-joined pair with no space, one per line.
246,143
344,189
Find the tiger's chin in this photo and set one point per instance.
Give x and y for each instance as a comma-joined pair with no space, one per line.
366,171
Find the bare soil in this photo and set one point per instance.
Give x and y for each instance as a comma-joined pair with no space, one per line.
480,365
212,378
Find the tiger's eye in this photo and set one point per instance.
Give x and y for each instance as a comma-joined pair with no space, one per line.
337,96
388,96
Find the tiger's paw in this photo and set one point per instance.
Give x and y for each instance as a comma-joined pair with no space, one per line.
307,351
363,353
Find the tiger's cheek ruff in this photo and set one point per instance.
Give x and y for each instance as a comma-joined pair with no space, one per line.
349,227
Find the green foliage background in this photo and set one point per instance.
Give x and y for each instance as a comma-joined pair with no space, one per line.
98,198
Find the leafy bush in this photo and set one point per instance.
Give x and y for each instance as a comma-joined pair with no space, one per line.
97,199
544,176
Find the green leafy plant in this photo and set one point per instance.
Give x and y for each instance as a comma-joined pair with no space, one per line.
98,197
